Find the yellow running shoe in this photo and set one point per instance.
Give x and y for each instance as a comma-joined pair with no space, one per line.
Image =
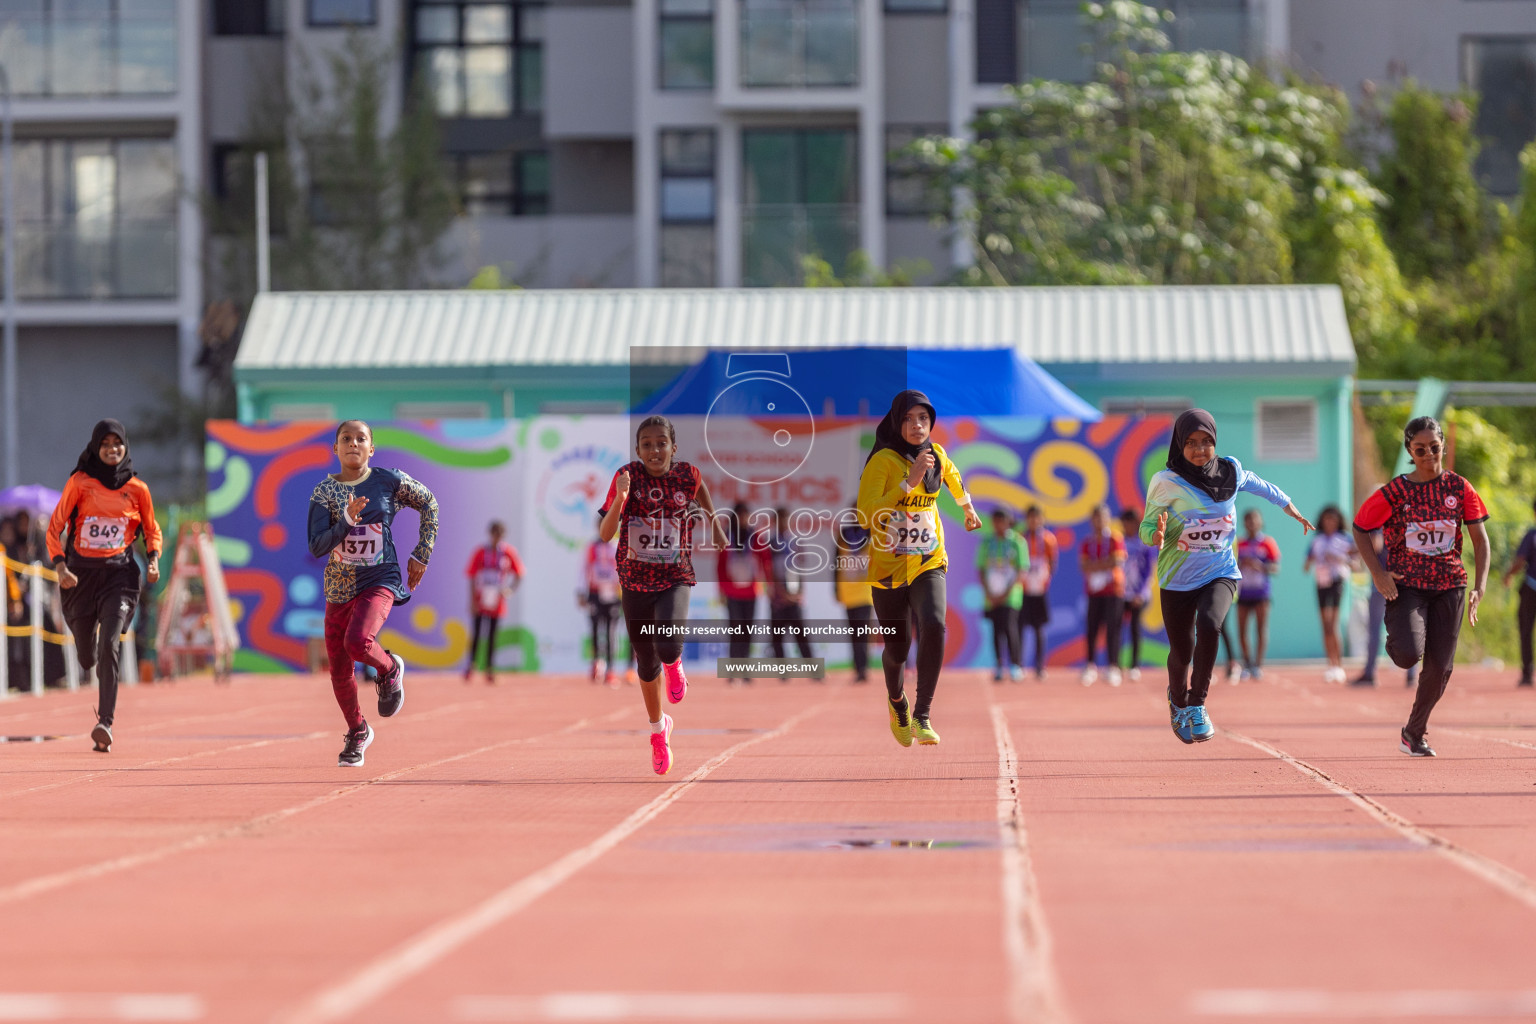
901,721
922,731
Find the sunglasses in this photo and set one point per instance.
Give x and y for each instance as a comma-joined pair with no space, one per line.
1421,450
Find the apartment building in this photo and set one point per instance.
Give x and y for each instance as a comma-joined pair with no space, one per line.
716,142
108,162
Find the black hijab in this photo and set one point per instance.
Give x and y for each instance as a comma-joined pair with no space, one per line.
1217,478
89,463
888,435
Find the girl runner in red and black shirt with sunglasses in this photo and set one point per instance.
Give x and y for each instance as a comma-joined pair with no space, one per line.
653,505
1421,515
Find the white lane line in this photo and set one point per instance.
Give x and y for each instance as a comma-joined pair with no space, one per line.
1258,1002
47,883
1498,875
1485,736
670,1006
438,941
137,1006
1034,995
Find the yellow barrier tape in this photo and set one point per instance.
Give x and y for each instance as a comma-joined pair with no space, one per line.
28,569
52,638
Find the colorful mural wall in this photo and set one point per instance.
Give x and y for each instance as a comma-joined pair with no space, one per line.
546,477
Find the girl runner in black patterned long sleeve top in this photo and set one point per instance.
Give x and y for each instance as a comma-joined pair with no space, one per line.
350,517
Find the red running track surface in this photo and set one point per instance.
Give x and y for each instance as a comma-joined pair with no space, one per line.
507,854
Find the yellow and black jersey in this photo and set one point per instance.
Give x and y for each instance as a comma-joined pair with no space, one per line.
906,530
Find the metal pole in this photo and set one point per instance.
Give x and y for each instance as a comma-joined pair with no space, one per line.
7,214
263,244
35,598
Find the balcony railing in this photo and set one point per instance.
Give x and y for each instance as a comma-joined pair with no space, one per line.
799,43
77,56
128,259
775,237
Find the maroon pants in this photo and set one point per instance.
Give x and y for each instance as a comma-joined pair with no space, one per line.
349,637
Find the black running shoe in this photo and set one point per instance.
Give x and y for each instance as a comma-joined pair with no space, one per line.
1415,747
102,737
392,689
351,755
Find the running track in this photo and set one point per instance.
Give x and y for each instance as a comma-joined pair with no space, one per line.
506,854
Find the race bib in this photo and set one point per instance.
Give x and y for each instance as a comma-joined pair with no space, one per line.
1206,534
101,533
363,545
1036,577
1436,537
659,541
1253,579
1100,580
914,533
741,566
1000,579
488,583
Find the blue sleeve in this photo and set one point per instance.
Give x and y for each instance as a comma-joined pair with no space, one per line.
1254,484
324,534
1526,544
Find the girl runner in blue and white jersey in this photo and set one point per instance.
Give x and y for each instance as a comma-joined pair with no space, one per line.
1191,519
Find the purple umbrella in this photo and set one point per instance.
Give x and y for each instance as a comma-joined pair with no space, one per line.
34,498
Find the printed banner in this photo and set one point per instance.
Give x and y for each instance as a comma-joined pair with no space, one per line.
545,479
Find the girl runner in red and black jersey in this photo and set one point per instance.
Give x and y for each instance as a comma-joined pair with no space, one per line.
652,505
1421,515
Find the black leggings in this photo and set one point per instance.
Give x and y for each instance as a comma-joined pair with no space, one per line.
860,615
1527,620
740,610
661,608
602,614
1194,619
1040,651
98,609
924,599
1104,611
1425,624
490,622
1133,611
1005,633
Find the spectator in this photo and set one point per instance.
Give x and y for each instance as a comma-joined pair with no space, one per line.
1103,561
786,586
1035,611
1330,557
850,573
1002,559
737,573
1140,571
599,595
1258,558
1524,566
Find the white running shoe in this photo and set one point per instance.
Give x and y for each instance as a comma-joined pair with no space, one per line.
1135,675
1113,677
1090,675
1234,673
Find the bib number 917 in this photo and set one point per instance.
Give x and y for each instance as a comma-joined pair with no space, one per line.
1436,537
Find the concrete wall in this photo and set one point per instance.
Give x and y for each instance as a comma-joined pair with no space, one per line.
915,239
917,63
592,177
1348,41
589,72
546,252
74,376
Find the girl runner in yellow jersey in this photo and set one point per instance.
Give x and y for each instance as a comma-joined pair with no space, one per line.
898,502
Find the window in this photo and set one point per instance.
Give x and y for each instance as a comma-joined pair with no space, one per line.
801,198
248,17
916,6
89,47
97,218
687,42
688,208
481,60
502,184
341,13
907,191
799,43
1287,430
1503,73
1055,42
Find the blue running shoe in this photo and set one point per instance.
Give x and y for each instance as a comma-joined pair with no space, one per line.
1182,727
1175,715
1199,724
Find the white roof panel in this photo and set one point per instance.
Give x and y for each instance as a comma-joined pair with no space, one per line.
1299,324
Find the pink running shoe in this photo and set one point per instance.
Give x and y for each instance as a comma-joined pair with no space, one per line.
677,681
661,746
